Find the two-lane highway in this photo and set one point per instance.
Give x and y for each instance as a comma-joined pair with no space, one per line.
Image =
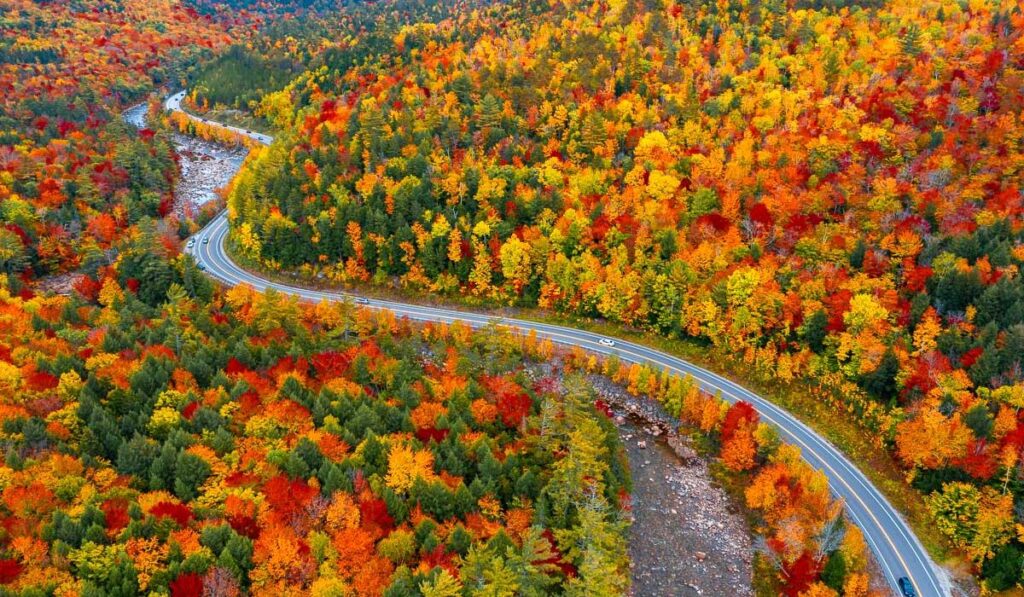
895,546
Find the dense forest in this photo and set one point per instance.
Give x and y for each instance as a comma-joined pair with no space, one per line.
248,443
827,192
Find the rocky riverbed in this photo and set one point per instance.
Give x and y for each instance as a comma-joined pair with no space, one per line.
205,167
688,537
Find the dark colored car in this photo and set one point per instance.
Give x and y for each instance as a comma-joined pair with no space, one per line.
906,587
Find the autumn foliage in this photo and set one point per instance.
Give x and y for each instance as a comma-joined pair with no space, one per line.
255,445
817,191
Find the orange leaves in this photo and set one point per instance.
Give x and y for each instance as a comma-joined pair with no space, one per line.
738,451
738,446
148,556
355,549
50,194
425,415
103,227
931,440
289,499
483,411
32,502
281,559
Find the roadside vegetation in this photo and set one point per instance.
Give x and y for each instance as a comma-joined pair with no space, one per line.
821,198
825,193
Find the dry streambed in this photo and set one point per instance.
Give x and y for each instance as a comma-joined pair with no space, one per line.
205,166
687,537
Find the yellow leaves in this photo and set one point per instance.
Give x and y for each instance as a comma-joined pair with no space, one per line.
405,465
343,513
247,240
490,188
240,296
903,244
1012,395
147,556
425,415
163,420
741,285
490,507
455,245
885,199
819,589
653,145
329,587
367,183
976,520
865,312
110,293
10,378
550,173
440,227
926,332
515,261
662,186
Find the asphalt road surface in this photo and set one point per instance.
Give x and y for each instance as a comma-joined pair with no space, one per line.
897,549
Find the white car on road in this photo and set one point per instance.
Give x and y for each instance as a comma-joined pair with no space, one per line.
606,342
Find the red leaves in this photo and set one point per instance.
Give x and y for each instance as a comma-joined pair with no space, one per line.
179,513
115,513
712,221
330,364
50,193
39,381
374,513
9,571
980,460
557,559
971,356
287,497
800,574
87,287
915,278
427,434
737,415
190,410
512,401
438,557
187,585
838,304
760,216
247,526
17,230
235,367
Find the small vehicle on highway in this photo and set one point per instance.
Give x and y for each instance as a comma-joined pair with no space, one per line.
606,342
202,267
906,587
206,240
191,243
362,300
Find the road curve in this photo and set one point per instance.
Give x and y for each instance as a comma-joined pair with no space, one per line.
897,549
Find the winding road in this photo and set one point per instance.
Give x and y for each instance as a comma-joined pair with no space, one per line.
897,549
